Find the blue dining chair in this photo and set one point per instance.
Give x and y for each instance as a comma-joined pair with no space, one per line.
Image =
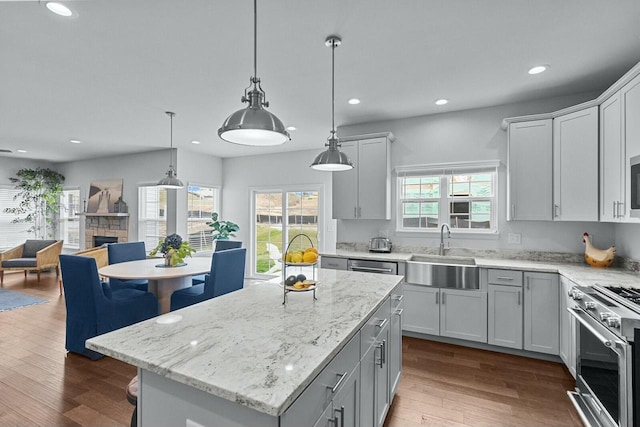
227,275
220,245
127,251
93,308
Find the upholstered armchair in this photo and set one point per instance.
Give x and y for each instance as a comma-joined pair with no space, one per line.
93,308
32,255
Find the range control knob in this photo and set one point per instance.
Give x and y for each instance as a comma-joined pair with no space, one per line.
604,316
613,322
590,305
576,294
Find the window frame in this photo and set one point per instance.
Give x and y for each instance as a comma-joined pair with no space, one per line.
444,172
284,189
141,221
62,218
17,231
217,202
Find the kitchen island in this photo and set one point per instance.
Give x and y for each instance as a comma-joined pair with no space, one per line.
244,358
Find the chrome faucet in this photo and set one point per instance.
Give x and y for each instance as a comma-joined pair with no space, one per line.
441,252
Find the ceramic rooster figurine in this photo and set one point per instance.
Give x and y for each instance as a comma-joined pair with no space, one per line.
597,257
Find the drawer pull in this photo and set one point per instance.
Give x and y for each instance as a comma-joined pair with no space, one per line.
399,312
341,411
518,297
398,297
504,278
338,383
437,298
382,323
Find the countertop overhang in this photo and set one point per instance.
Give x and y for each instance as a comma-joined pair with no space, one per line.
249,348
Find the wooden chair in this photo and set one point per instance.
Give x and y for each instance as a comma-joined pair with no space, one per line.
32,255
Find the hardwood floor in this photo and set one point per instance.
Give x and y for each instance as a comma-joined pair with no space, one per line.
449,385
442,384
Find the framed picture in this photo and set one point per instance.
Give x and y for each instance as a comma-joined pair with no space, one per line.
103,195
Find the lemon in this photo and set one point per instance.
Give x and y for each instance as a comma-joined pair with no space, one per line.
287,257
314,250
310,257
296,258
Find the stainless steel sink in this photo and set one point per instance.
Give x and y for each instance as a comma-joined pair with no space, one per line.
443,271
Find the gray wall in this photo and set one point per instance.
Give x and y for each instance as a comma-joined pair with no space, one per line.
143,168
10,165
471,135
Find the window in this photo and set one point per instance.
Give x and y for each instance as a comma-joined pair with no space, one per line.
278,217
68,220
152,215
202,202
13,234
464,197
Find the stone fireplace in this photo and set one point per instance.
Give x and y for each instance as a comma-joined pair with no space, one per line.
115,225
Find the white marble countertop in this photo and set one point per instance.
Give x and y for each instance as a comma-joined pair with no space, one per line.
247,346
582,274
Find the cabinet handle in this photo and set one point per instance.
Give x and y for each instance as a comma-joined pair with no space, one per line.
437,298
443,294
338,383
355,212
615,209
399,312
383,353
380,361
528,283
518,297
398,297
504,278
555,210
359,212
341,411
382,323
620,209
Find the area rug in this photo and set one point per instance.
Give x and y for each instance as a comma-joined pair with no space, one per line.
10,300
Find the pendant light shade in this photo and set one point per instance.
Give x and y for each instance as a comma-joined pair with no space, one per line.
171,180
254,125
332,159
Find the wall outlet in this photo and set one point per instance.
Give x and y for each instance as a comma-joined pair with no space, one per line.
514,238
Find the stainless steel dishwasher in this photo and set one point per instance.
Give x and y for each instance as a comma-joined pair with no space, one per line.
370,266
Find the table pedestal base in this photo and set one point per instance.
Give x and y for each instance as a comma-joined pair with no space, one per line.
163,289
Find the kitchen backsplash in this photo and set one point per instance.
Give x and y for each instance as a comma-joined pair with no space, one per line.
540,256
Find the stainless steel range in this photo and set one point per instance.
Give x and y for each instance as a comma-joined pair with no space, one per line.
608,375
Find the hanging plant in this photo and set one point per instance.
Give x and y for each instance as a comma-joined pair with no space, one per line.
39,193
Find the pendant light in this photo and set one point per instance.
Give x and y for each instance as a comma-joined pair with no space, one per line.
254,125
171,180
332,159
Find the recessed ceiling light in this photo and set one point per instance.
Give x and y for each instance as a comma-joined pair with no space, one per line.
59,8
538,69
354,101
195,142
441,101
21,151
292,128
75,141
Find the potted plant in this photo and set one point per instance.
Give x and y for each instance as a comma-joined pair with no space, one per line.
174,250
221,230
39,195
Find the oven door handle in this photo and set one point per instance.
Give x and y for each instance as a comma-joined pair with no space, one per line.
612,344
371,269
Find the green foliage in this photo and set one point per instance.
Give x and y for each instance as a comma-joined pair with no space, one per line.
221,230
174,248
39,195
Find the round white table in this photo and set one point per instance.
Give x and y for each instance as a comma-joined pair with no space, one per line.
162,280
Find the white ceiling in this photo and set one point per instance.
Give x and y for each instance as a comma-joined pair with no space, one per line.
107,76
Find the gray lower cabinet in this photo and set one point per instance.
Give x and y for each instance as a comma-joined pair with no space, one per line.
450,313
541,312
375,397
344,409
463,314
395,340
421,309
505,315
567,327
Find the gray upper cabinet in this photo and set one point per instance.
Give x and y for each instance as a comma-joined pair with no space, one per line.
630,98
575,148
611,160
530,170
364,192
